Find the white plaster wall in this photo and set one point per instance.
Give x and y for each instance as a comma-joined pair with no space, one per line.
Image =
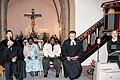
87,13
17,22
102,56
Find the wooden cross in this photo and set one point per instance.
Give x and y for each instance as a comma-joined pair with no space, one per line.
32,16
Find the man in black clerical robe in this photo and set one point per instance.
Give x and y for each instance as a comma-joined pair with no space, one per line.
13,58
112,46
72,51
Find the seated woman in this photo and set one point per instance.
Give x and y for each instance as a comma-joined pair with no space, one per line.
31,53
51,52
113,45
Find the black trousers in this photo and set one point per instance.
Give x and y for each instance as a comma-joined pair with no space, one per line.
56,64
8,70
17,69
72,69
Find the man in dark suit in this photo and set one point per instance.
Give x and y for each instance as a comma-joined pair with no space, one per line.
72,51
13,61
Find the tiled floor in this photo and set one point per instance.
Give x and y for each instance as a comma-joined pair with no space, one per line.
51,76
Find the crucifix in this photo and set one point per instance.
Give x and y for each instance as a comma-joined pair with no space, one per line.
32,16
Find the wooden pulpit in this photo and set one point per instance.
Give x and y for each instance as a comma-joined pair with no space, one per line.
111,15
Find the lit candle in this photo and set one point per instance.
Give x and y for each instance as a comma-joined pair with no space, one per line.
98,41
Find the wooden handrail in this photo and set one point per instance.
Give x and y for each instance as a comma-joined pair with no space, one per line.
91,29
89,37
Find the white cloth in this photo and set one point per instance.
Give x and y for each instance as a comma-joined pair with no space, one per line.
33,64
31,51
10,43
114,39
47,50
72,42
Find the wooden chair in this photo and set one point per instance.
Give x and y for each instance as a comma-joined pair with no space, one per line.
1,71
61,71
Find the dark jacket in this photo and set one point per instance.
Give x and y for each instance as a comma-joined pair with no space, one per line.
71,51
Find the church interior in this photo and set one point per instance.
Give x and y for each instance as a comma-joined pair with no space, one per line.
93,21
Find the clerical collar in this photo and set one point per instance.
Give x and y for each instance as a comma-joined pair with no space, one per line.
114,39
72,42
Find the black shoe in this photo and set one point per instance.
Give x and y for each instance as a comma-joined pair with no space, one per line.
74,78
11,78
19,79
31,73
36,73
16,76
57,75
66,76
45,75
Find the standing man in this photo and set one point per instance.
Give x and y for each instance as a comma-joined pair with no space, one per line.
113,45
13,61
72,51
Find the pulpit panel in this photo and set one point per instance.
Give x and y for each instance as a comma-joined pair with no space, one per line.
93,38
111,15
85,44
119,21
111,21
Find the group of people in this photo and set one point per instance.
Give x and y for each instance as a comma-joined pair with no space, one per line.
18,60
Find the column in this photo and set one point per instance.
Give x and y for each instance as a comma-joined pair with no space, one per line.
4,4
64,19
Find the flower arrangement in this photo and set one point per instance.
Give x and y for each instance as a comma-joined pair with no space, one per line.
91,67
